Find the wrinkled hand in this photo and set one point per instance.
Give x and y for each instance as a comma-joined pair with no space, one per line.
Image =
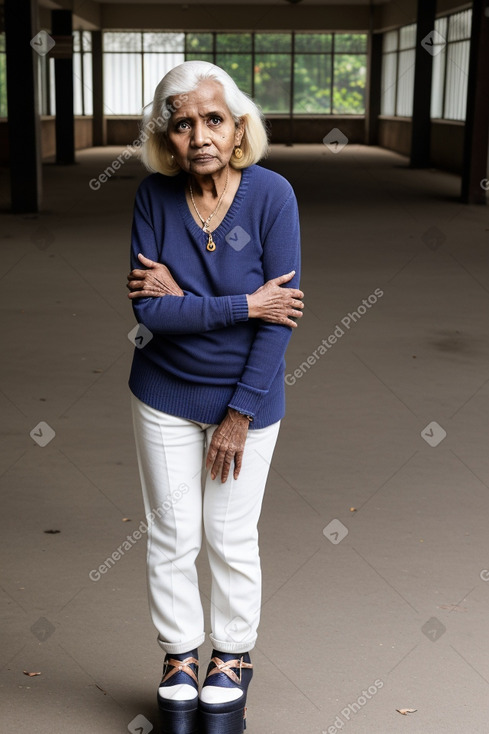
155,281
275,304
227,445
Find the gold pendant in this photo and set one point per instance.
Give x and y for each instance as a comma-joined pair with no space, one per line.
211,245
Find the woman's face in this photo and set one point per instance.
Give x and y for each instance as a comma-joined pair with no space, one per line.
202,133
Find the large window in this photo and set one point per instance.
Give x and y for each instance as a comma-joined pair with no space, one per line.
450,46
287,73
451,66
399,50
82,72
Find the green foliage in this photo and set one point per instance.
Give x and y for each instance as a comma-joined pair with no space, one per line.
315,91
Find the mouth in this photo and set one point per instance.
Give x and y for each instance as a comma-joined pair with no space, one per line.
202,158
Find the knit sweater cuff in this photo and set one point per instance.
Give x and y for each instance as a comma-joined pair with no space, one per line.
239,308
247,399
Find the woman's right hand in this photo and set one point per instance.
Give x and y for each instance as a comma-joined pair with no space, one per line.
276,305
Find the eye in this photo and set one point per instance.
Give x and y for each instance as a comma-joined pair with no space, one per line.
182,125
215,120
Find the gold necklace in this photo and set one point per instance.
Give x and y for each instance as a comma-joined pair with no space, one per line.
211,245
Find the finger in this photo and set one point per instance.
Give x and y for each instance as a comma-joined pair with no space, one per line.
294,293
226,465
289,322
284,278
238,460
146,261
217,465
138,274
140,294
211,455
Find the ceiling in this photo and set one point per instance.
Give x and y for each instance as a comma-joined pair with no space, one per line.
243,2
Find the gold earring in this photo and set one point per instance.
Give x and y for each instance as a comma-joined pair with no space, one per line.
238,153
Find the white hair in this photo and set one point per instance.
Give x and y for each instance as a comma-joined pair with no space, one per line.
171,92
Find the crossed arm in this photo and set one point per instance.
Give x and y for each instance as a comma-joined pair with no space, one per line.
271,302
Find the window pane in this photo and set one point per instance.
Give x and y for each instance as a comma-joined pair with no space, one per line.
437,84
238,66
76,41
122,41
41,84
312,83
163,42
457,77
389,41
313,42
349,84
441,27
200,57
272,82
273,42
122,84
405,84
87,41
52,88
233,42
460,25
77,84
407,36
155,68
389,75
196,42
348,42
3,84
87,91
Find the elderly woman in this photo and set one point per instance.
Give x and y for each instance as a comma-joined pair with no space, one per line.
215,239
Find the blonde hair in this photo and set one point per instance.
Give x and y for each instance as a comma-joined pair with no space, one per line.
180,80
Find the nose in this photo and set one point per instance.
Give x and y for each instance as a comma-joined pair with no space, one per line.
200,134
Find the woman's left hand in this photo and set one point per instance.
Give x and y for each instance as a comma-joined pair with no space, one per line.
155,281
227,445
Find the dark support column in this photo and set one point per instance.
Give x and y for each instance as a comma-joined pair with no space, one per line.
374,89
23,115
421,120
99,122
474,171
63,74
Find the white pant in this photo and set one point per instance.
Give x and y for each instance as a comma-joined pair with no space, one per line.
178,493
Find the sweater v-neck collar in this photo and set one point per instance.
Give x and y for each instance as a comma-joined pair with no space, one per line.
220,231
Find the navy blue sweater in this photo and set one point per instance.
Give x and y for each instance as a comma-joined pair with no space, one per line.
205,354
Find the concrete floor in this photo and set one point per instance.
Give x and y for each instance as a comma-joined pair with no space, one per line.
391,615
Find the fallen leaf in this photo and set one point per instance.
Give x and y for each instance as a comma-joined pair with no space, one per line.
353,509
52,532
126,519
405,712
31,675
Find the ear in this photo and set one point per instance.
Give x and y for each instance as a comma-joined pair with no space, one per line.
240,131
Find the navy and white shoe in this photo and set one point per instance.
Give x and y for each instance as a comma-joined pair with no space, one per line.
178,694
222,703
